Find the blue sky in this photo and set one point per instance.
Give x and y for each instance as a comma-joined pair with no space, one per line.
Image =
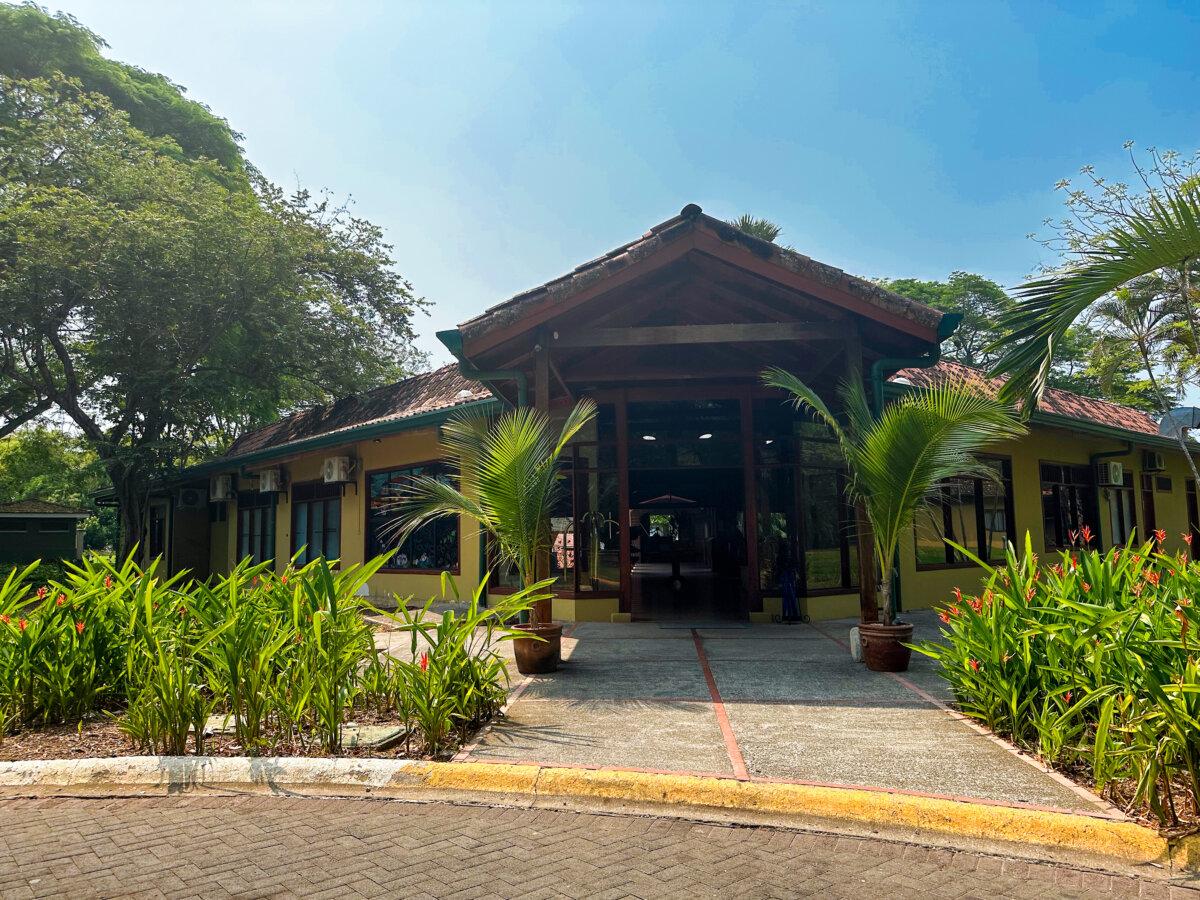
500,145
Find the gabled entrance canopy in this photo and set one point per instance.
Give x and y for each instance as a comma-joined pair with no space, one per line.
693,301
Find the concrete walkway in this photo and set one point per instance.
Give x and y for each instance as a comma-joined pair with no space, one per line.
769,702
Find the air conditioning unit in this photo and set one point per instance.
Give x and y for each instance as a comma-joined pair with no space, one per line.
190,498
338,469
1110,474
220,488
270,481
1152,461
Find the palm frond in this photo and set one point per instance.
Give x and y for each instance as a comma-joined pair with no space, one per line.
1166,234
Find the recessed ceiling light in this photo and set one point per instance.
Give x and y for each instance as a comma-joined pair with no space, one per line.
770,440
648,437
706,436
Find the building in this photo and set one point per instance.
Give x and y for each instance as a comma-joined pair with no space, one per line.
38,529
696,492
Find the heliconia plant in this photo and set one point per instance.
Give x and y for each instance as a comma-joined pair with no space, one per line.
285,658
1089,660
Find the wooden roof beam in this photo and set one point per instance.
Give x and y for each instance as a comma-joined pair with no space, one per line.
675,335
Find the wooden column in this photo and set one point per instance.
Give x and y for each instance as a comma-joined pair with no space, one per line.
753,597
543,610
622,424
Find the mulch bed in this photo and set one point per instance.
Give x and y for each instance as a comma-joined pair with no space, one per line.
101,737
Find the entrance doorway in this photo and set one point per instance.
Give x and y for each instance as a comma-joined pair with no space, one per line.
686,518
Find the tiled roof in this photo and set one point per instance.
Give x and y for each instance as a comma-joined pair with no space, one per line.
667,232
441,389
33,507
1054,401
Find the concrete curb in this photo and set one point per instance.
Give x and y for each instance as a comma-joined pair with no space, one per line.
1058,834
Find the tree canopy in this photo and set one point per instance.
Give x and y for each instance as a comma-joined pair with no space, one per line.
1089,362
164,309
35,44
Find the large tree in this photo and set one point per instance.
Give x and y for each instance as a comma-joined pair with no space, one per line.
1089,361
163,306
1131,254
35,44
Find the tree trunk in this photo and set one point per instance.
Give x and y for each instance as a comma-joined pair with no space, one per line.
884,597
133,502
868,609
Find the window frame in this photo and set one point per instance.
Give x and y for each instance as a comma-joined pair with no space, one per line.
1093,513
248,501
981,545
368,533
325,495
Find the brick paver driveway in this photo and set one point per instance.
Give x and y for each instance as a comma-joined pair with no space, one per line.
767,702
265,846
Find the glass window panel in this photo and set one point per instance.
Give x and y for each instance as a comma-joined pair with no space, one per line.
823,536
300,536
778,559
333,523
598,534
433,547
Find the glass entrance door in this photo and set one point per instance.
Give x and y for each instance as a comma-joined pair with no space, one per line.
686,517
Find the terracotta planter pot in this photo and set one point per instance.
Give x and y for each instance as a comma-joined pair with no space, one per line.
883,646
539,657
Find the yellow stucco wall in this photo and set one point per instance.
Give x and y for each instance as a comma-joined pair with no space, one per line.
923,589
395,451
920,589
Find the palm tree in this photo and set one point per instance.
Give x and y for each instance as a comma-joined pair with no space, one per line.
1163,236
897,460
506,478
763,229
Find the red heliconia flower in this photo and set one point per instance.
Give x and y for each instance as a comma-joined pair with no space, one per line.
955,611
60,599
1184,601
1160,535
254,581
283,579
977,605
958,594
1073,536
944,616
1057,569
1153,578
988,596
79,627
5,619
974,664
1172,571
1086,533
22,624
1087,588
108,582
425,661
1137,558
1136,588
1187,538
42,591
1029,594
1074,562
1067,696
1183,622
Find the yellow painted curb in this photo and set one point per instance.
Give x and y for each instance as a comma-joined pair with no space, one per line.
1061,832
1126,841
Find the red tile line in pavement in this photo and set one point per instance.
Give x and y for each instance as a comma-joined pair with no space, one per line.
1106,809
731,745
526,680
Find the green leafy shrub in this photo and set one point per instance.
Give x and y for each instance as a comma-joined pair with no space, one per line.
1090,662
287,657
455,677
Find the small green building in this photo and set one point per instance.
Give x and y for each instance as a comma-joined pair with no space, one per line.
38,529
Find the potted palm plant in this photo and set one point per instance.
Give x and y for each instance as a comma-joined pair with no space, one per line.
507,479
896,461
